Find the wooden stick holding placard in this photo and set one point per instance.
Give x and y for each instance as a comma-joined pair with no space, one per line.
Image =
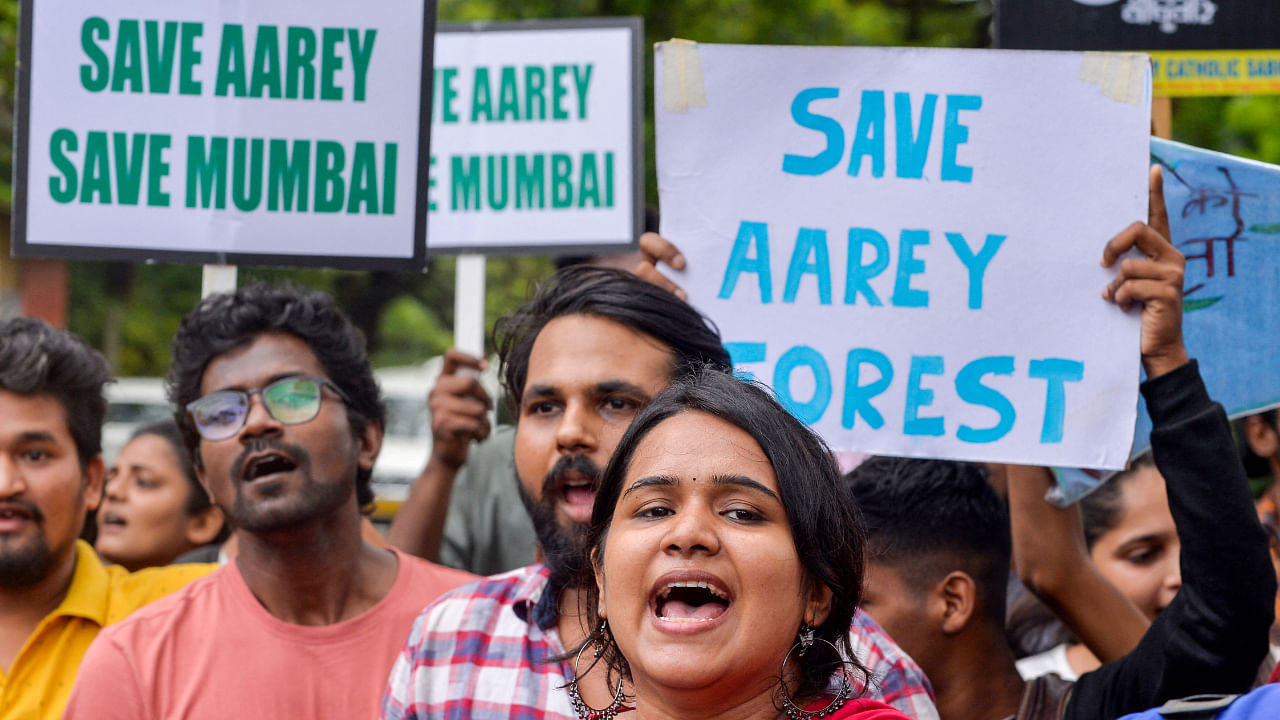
468,305
217,278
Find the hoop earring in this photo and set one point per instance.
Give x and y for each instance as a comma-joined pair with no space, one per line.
789,706
580,707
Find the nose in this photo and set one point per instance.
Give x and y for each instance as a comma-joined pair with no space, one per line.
12,483
259,422
576,430
692,531
1172,579
116,485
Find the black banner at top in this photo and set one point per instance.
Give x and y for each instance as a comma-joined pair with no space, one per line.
1138,24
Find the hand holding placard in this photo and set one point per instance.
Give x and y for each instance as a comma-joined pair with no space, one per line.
1155,281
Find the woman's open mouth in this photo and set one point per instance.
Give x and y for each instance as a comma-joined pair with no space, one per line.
691,602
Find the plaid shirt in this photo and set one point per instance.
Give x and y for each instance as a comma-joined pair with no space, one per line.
482,651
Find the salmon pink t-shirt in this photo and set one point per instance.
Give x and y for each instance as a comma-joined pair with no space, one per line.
212,651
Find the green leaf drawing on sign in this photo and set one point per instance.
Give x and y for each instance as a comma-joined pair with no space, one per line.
1193,305
1269,228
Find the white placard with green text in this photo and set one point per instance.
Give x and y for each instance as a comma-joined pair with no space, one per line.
285,132
536,136
905,243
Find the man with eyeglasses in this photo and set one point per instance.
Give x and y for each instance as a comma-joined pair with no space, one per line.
282,415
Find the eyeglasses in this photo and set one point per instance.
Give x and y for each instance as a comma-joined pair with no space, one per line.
292,400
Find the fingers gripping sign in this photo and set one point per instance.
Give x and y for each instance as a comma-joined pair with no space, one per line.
459,408
1154,281
654,248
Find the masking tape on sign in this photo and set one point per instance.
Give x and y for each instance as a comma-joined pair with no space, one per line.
1122,76
682,86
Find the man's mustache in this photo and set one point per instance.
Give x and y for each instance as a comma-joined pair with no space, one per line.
297,453
576,464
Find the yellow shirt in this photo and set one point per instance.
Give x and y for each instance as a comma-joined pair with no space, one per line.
39,682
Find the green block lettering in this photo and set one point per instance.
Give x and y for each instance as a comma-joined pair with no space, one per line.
287,179
581,81
465,182
129,166
330,187
157,170
128,63
561,184
207,172
330,63
447,95
97,170
95,76
389,179
558,92
63,189
189,57
508,96
267,76
231,71
246,180
361,53
588,181
608,179
481,100
530,178
300,70
161,52
497,176
364,180
535,85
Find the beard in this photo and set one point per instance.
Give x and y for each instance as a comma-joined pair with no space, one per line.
25,564
563,548
275,510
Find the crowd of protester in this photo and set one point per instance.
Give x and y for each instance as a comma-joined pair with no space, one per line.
653,538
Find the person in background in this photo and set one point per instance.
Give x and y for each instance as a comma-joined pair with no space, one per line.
154,508
1259,442
282,416
580,359
55,594
726,561
462,510
1130,541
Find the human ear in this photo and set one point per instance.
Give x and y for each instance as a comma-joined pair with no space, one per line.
957,594
819,605
95,474
370,441
204,526
1263,439
598,569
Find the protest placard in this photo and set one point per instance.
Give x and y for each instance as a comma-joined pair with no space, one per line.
905,243
538,136
266,133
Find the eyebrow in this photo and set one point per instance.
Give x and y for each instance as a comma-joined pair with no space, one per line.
607,387
274,378
37,436
717,480
1143,539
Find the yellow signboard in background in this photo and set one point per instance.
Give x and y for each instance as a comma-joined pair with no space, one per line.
1189,73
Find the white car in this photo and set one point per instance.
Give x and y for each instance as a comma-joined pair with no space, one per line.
131,403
